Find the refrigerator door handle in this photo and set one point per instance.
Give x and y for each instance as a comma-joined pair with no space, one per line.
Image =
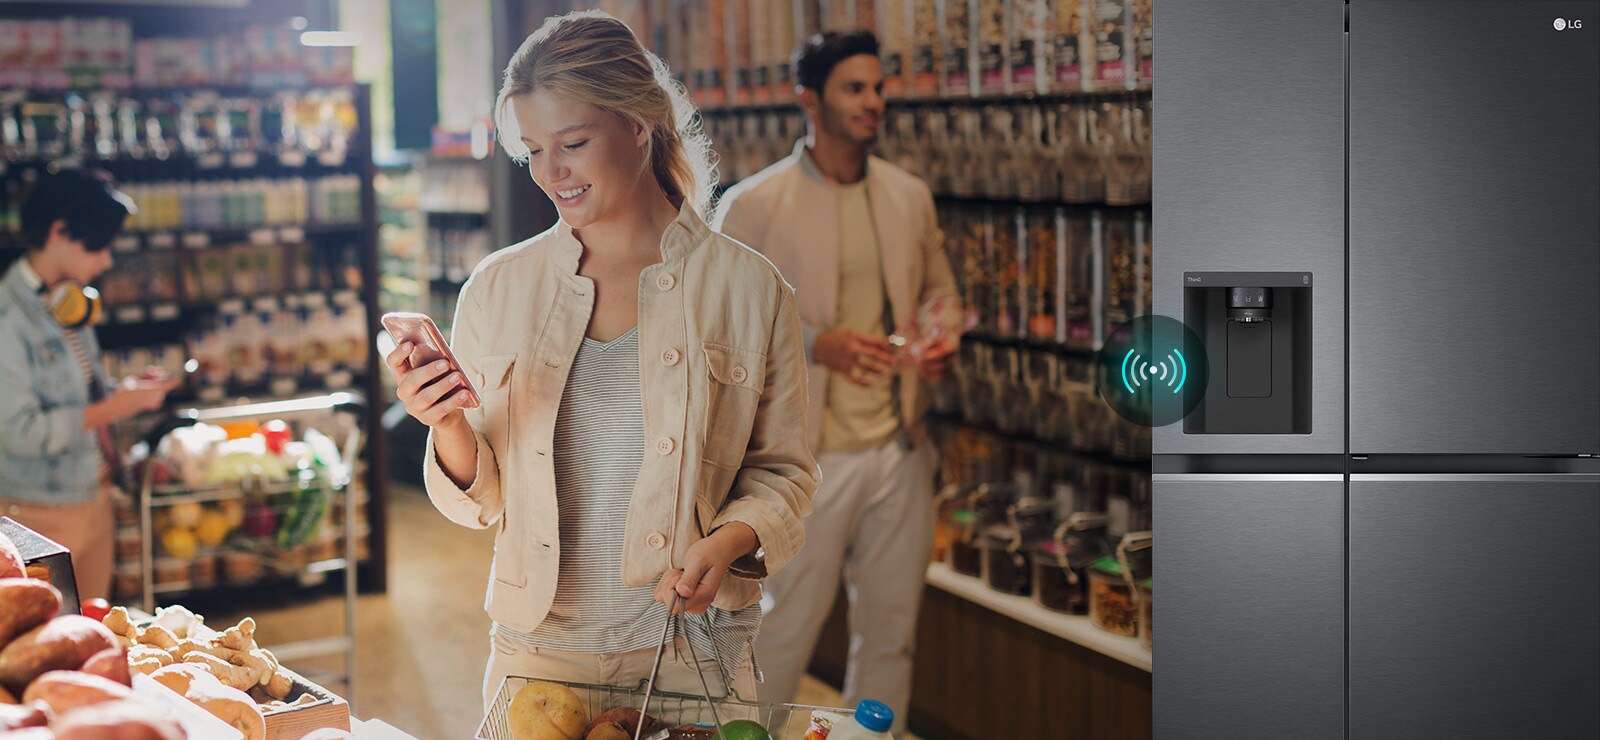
1250,477
1476,477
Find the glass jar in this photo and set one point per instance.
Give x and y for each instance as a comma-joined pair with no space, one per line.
1061,563
1146,614
1111,600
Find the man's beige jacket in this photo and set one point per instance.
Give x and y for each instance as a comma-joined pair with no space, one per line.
789,213
721,365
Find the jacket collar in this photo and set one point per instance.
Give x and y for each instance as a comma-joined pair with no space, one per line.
16,288
683,235
808,165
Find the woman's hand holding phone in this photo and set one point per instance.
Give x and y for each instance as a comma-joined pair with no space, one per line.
433,392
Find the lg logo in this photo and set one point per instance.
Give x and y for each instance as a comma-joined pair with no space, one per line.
1562,24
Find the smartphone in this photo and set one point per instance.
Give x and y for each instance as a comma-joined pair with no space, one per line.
429,343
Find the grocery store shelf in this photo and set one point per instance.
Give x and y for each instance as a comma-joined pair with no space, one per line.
1071,628
1035,442
950,101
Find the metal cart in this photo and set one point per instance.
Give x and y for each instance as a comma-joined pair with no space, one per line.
334,479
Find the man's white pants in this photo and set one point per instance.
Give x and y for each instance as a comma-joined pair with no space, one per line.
872,522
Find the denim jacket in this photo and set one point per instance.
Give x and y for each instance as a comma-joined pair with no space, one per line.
722,367
46,456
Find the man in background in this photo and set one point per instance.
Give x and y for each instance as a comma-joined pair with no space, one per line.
859,240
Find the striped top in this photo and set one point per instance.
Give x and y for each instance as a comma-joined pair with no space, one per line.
599,446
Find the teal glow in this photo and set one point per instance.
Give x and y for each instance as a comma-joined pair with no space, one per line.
1125,359
1184,367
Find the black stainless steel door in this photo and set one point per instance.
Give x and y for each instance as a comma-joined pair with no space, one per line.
1474,173
1474,606
1251,578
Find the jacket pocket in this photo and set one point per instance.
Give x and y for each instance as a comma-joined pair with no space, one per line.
493,382
735,379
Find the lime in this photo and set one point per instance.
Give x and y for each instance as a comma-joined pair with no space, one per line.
743,729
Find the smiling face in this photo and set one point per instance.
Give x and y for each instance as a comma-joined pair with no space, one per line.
851,104
590,162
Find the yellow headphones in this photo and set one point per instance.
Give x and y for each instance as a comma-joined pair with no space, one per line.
74,305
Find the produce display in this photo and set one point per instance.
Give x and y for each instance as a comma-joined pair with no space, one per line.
232,504
64,676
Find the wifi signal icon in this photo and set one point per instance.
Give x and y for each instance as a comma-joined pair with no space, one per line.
1170,371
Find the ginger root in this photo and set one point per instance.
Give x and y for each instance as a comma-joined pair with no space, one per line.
232,675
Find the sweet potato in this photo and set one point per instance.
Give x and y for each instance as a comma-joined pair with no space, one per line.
110,663
230,705
63,643
16,717
6,697
11,565
116,720
64,691
25,603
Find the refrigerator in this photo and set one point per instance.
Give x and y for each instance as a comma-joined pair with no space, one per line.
1382,224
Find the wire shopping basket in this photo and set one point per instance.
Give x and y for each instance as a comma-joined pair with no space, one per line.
783,721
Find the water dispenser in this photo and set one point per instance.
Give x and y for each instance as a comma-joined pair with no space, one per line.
1256,328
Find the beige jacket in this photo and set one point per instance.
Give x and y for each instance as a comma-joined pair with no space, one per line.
788,212
721,361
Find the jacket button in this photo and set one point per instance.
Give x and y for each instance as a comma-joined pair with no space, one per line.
739,375
666,281
669,357
664,445
656,540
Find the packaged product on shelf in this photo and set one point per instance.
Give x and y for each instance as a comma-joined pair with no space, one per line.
1079,240
992,59
739,34
894,21
785,30
925,48
1082,163
955,41
1066,44
1111,44
1127,263
837,15
1037,239
978,266
996,154
758,62
1026,45
1140,29
1128,169
1001,234
866,17
711,57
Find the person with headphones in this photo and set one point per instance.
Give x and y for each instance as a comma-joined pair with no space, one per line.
57,460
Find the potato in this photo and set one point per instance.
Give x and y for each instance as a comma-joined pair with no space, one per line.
11,565
626,718
24,604
116,720
63,643
110,663
64,691
546,711
608,731
16,717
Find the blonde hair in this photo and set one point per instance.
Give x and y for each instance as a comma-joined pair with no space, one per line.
593,57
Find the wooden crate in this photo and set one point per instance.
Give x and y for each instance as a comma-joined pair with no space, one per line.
329,710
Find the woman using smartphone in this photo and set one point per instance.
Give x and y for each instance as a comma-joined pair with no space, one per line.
58,463
640,440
